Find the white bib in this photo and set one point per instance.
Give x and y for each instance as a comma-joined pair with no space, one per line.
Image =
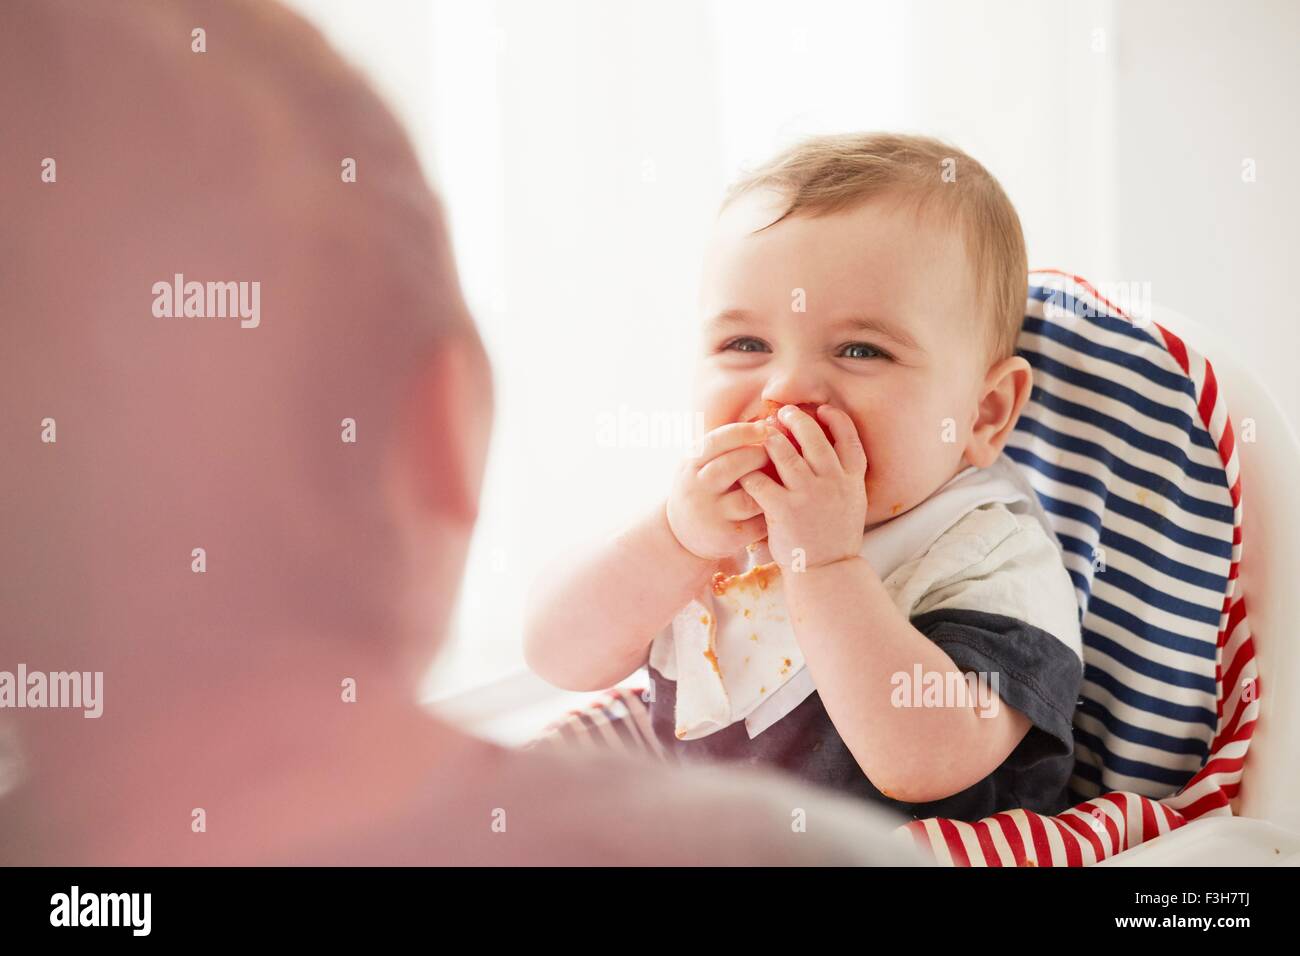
734,654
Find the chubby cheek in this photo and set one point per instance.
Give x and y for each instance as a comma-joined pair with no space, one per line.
723,403
905,465
884,498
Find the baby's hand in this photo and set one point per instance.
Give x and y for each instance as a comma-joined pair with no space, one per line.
709,515
818,517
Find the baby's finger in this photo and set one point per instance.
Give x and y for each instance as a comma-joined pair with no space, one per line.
848,444
723,472
762,489
727,437
738,505
790,465
814,447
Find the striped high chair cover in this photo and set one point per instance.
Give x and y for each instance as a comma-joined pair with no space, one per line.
1128,444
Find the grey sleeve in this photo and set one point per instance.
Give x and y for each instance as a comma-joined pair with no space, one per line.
1037,674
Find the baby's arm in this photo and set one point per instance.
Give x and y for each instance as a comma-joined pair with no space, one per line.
592,627
855,671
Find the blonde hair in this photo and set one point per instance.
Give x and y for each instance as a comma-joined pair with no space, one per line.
825,174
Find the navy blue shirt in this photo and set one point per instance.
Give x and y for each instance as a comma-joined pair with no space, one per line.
1037,674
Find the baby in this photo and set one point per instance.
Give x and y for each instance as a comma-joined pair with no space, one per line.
849,580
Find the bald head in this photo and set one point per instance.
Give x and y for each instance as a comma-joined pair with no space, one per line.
137,430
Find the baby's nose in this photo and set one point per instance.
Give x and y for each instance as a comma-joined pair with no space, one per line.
776,397
795,383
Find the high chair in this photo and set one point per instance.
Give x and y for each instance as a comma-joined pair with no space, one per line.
1127,441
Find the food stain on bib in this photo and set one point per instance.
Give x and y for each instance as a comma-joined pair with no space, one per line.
756,579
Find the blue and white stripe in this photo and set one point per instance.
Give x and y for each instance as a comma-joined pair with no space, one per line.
1139,497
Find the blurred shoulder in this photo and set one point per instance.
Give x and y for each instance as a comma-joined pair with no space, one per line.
618,809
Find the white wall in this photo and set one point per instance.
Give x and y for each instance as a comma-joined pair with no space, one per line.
1021,86
1204,90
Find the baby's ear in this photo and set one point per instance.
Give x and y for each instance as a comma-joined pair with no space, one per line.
1004,394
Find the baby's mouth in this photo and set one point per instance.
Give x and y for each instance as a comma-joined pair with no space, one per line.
771,418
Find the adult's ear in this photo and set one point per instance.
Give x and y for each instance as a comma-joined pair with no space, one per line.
447,427
1004,393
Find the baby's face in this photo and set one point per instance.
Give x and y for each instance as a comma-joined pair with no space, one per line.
869,310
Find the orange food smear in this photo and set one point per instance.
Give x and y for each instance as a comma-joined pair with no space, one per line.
758,577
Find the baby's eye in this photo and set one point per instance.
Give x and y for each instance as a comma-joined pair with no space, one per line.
858,350
745,344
